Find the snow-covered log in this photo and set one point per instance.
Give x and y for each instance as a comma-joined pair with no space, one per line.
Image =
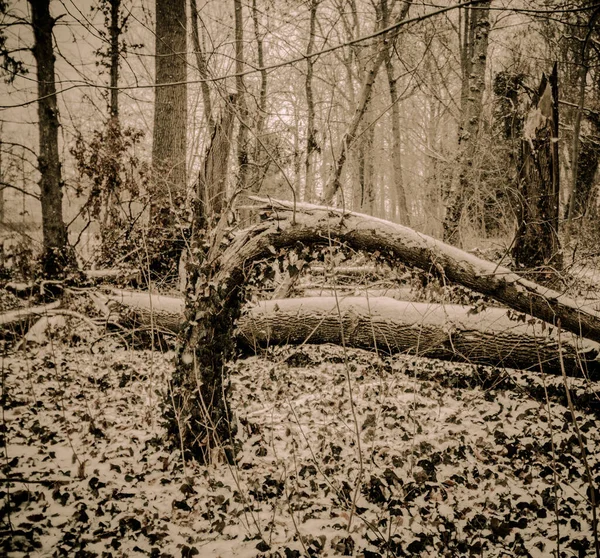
201,417
25,314
287,224
145,310
451,332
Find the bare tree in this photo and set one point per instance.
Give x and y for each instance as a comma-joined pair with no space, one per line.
202,65
170,110
474,45
57,256
398,182
311,139
242,139
350,135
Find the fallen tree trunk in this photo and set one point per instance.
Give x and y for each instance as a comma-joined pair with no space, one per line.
200,417
448,332
290,224
25,314
144,310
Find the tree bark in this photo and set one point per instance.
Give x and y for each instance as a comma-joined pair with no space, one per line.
242,139
170,111
311,136
212,179
201,416
400,208
448,332
536,243
114,32
493,336
473,62
57,255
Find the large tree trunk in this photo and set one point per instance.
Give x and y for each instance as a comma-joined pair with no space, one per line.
494,336
536,243
201,415
450,332
57,255
170,111
473,62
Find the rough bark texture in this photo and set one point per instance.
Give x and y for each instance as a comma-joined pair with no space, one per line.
451,332
473,62
536,243
201,417
57,256
448,332
212,178
170,110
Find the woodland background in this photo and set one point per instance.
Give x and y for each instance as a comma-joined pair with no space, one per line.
422,126
168,147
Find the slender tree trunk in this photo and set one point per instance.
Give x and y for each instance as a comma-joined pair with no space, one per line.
583,72
242,139
349,137
536,243
115,32
311,140
399,193
202,68
474,59
364,194
170,111
259,162
56,255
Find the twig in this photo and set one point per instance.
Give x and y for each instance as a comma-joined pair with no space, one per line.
582,448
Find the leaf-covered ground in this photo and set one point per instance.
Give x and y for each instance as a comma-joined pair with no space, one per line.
342,455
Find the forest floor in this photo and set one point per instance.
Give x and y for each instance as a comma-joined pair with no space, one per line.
342,454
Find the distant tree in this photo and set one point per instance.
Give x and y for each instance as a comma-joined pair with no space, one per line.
369,76
311,135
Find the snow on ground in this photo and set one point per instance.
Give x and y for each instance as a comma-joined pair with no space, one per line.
449,460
